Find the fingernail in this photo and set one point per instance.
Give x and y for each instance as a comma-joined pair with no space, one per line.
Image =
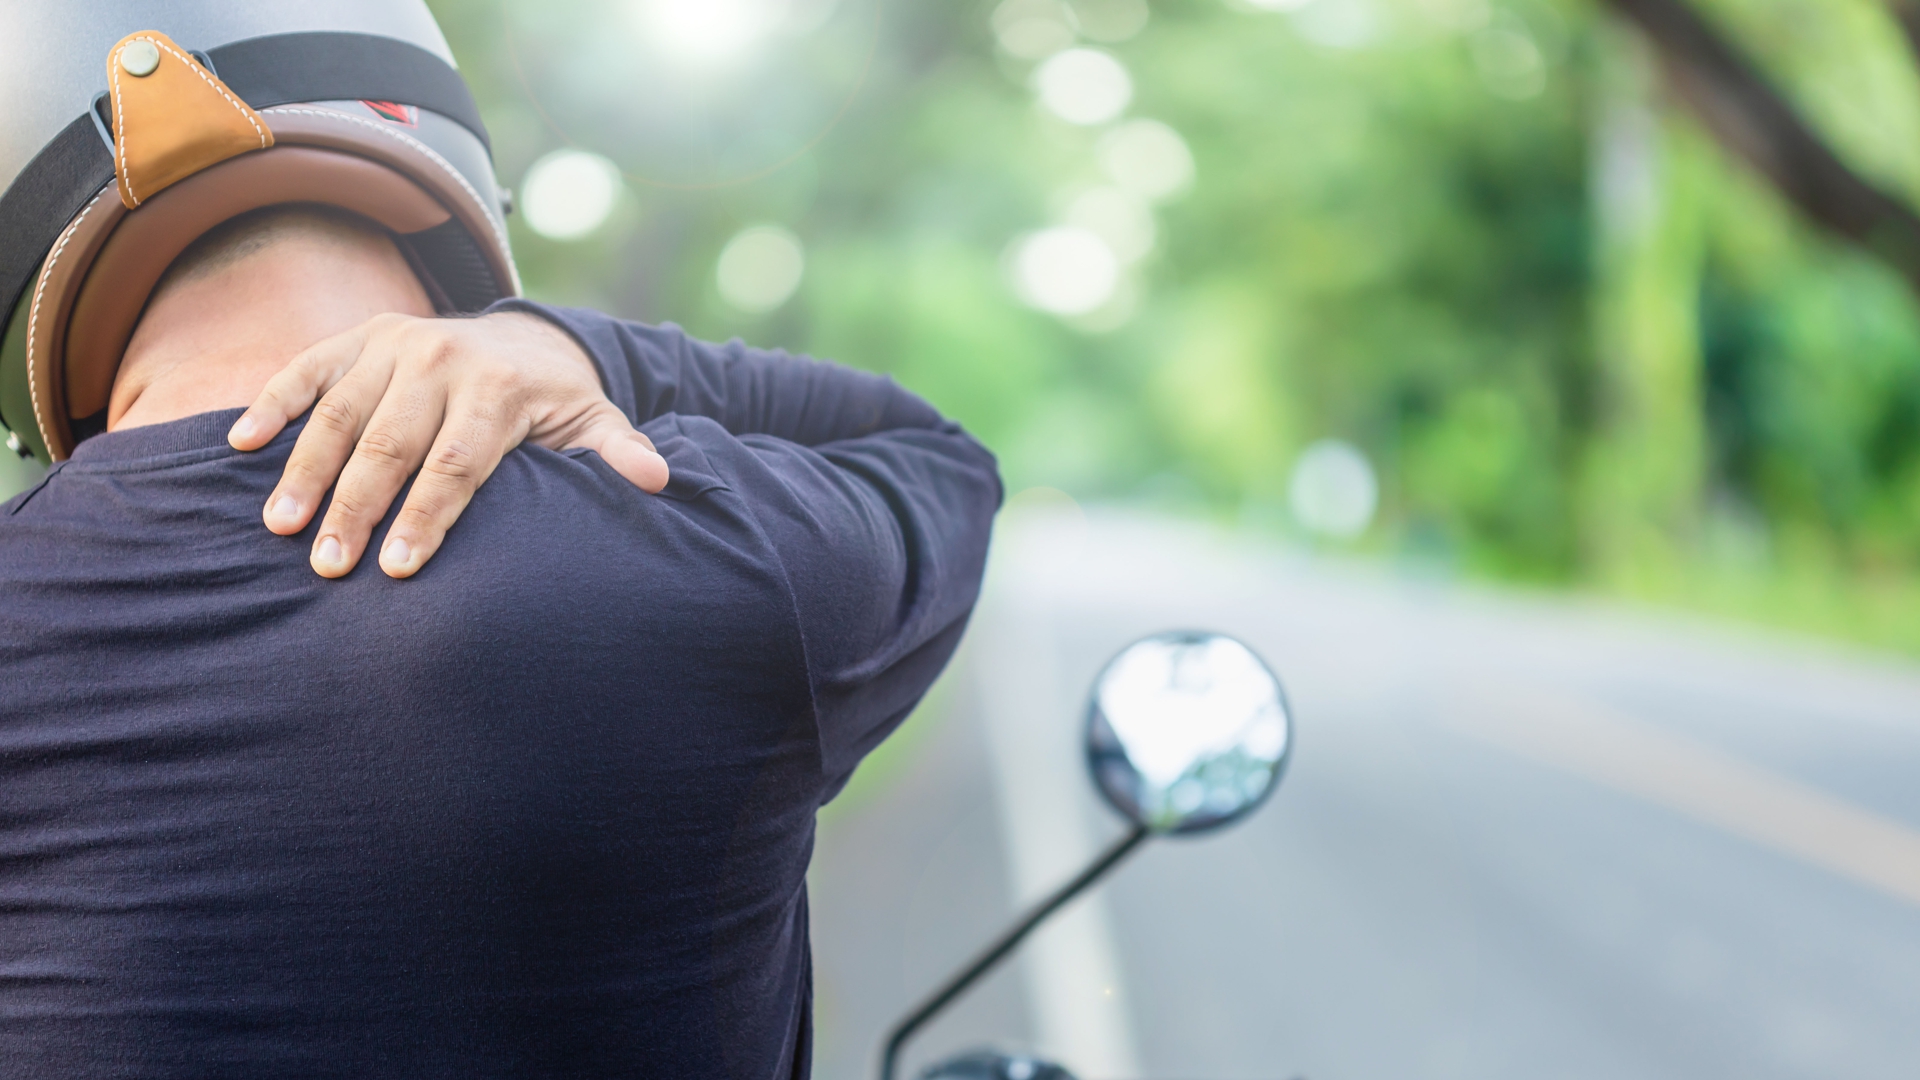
244,429
286,509
398,552
329,551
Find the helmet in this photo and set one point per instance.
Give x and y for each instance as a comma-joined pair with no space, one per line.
138,125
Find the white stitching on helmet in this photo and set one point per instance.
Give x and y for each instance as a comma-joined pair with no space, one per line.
120,117
33,312
432,155
120,125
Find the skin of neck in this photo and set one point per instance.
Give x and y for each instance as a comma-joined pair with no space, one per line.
212,341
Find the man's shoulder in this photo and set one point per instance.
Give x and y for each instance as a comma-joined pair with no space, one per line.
560,570
550,533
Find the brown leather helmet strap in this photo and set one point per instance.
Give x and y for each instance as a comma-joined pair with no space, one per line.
171,117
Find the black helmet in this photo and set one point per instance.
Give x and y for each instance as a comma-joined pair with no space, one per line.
138,125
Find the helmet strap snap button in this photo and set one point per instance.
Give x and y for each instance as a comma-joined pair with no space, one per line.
139,58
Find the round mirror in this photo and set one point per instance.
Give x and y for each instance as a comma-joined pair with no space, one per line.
1187,731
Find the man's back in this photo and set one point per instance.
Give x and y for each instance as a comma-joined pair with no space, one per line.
544,809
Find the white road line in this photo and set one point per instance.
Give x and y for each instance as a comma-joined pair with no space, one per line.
1699,781
1073,976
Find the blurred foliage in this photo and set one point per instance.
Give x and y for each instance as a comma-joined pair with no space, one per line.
1472,237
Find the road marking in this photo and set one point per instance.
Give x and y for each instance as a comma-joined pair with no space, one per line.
1073,977
1692,778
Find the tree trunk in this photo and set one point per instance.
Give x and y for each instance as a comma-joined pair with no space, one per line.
1908,12
1748,115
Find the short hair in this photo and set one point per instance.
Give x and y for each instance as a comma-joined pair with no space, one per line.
256,230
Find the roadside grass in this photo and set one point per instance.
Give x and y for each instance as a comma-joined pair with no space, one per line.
1878,613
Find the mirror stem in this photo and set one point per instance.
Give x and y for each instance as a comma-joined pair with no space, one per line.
897,1038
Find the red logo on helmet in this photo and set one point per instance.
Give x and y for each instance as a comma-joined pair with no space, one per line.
395,112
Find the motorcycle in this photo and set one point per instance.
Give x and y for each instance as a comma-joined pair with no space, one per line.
1187,733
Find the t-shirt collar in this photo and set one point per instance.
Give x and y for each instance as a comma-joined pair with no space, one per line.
201,431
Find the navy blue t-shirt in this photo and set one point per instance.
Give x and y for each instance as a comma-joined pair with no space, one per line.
543,810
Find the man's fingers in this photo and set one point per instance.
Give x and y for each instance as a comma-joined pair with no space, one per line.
467,450
294,388
392,446
328,440
379,395
630,452
632,456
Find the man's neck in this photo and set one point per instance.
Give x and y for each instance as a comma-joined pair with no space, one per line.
213,341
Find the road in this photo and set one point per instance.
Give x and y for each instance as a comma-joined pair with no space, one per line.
1521,837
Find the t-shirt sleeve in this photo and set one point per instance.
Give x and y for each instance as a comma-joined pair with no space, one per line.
651,371
878,508
883,540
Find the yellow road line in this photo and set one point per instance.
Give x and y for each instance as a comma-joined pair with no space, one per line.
1692,778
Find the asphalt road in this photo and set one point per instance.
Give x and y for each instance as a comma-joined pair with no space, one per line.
1520,837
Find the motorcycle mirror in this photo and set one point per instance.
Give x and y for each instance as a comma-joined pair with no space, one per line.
1187,731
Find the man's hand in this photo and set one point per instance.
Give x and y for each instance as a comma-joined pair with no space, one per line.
448,397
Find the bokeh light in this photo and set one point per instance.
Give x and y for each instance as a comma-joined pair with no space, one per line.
760,268
1083,86
1459,16
1147,158
1338,24
1111,20
1066,270
1509,62
1033,29
569,193
1334,492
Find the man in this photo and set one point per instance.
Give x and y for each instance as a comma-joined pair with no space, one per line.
121,145
542,809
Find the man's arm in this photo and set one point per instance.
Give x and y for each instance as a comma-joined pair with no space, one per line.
651,371
878,507
884,542
449,397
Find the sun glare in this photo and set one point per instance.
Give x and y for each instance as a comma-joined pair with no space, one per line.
708,32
